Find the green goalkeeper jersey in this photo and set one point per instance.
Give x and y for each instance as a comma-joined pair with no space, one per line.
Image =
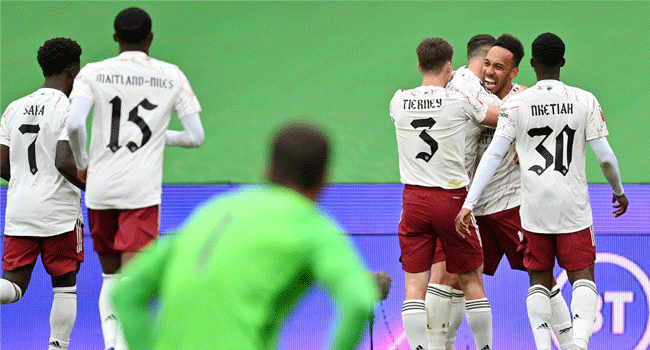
236,269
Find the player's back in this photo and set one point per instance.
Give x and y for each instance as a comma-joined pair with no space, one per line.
133,96
552,123
246,259
40,201
430,124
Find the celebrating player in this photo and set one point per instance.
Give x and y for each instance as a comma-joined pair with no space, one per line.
133,95
555,210
430,123
43,208
283,243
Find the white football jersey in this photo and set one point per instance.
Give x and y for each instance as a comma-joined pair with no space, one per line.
502,192
467,82
551,124
40,201
430,124
133,96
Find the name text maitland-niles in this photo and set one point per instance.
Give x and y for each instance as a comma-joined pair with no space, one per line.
135,80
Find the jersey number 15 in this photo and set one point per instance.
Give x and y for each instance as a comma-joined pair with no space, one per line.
133,117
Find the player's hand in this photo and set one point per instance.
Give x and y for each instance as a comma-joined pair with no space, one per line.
462,222
81,175
384,282
622,204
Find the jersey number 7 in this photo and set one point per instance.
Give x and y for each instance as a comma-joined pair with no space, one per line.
133,117
31,149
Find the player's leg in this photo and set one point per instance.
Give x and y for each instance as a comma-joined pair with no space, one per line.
510,238
137,228
417,244
18,261
577,255
103,228
465,258
438,300
62,256
539,259
456,315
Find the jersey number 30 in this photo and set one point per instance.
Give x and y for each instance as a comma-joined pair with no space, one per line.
426,123
559,149
133,117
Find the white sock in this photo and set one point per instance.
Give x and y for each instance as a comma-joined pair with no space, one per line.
414,318
9,292
456,316
62,317
479,318
438,305
120,342
561,319
538,304
583,305
106,311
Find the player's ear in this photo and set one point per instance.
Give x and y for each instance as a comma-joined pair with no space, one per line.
514,72
150,37
562,62
533,62
420,69
116,38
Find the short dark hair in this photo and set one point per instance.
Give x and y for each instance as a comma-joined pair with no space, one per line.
548,49
132,25
479,45
299,155
433,53
511,44
58,54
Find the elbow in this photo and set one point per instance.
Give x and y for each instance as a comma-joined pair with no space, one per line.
197,141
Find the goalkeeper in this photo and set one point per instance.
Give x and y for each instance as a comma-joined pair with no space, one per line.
243,260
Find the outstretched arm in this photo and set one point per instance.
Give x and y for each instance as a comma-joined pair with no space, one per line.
191,137
79,108
484,172
609,166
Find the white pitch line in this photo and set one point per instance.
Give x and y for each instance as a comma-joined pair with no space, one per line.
397,342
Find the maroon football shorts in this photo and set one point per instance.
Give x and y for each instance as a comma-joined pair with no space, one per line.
439,254
115,231
60,254
501,233
428,213
574,251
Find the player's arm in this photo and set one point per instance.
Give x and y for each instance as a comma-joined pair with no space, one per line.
191,137
609,166
336,265
64,162
139,285
76,128
5,170
491,117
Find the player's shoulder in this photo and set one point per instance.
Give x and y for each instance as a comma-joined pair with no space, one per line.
166,67
582,95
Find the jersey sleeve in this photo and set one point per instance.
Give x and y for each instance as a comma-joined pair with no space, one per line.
337,266
63,136
595,127
4,127
506,124
394,103
186,102
474,109
82,87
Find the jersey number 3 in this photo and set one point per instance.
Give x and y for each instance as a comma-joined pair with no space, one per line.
426,123
559,149
133,117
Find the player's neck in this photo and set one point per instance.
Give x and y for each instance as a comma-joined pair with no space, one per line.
128,47
505,91
440,80
476,67
57,83
547,73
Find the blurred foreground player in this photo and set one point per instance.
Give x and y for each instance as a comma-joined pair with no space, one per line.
133,96
430,125
43,207
555,210
243,260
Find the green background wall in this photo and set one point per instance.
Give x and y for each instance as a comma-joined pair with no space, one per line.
254,65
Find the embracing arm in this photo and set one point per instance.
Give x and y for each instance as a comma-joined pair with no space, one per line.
79,109
5,169
64,162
